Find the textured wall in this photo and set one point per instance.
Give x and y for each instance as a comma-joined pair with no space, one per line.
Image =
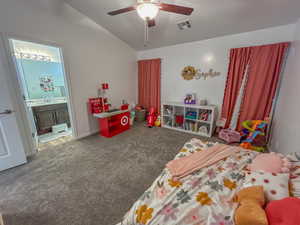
92,55
211,53
285,132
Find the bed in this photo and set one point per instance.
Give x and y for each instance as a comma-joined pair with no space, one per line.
202,198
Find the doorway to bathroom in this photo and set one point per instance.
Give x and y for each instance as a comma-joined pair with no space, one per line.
43,84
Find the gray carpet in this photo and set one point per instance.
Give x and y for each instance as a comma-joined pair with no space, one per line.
92,181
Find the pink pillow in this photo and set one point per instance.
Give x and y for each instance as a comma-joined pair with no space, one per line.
284,211
270,162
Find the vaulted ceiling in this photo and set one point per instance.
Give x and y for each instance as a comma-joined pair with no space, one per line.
211,18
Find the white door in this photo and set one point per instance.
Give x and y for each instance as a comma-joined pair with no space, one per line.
11,147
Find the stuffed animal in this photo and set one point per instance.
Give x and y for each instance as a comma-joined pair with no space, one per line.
151,117
250,211
158,122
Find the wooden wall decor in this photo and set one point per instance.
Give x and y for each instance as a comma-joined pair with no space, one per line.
189,73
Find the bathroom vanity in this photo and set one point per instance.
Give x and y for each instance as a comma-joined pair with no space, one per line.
48,114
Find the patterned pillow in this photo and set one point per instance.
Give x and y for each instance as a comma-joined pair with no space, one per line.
276,185
295,174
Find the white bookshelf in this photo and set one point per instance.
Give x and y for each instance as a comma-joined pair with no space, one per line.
194,125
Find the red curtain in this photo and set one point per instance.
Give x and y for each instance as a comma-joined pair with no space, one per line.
264,72
149,81
238,61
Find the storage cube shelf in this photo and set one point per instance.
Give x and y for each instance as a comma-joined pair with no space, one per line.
194,119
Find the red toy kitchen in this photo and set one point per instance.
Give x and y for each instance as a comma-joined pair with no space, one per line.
111,121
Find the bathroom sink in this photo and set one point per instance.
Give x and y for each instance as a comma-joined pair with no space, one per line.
42,102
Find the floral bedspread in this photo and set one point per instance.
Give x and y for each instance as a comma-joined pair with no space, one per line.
202,198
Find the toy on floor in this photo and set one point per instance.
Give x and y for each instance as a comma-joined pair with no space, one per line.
151,118
230,136
254,135
158,121
132,117
111,122
140,114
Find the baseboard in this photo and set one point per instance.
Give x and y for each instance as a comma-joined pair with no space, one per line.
85,135
32,153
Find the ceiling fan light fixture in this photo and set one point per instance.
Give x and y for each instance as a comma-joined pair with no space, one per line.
147,11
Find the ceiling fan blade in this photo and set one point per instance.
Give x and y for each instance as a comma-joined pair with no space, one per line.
151,23
176,9
124,10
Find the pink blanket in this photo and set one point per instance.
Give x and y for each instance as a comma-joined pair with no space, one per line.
182,167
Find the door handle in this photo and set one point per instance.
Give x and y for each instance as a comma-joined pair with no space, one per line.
7,111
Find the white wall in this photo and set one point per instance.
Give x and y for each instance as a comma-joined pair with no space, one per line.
286,124
92,55
211,53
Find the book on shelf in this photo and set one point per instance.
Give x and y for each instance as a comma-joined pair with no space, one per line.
191,126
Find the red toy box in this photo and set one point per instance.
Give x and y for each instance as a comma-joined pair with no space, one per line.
111,126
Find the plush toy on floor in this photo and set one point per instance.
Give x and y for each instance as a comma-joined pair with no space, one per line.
254,135
151,118
158,121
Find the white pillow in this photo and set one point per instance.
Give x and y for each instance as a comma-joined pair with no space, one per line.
295,174
276,185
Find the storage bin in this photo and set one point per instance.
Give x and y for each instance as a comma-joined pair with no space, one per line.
140,115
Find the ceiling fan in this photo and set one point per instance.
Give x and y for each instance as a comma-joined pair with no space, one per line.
148,10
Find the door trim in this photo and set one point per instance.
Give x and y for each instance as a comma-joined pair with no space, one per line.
19,102
24,130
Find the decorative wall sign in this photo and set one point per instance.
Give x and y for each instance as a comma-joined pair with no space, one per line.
210,73
190,73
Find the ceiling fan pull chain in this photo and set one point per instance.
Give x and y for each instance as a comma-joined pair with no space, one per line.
146,34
